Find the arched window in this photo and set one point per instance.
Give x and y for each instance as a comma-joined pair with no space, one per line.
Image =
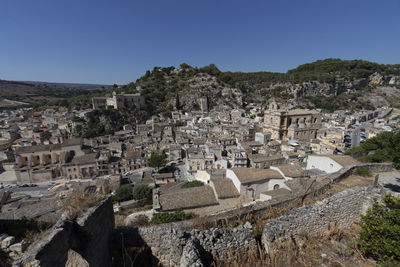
276,187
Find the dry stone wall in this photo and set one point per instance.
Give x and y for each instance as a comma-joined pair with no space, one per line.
340,210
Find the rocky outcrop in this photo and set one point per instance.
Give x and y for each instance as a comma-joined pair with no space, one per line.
204,85
376,79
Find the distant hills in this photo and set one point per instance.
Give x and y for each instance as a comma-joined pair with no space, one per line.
39,93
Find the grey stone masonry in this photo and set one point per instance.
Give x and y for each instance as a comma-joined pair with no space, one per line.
340,210
191,254
174,247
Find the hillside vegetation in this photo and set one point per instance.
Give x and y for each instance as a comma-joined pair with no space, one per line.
329,84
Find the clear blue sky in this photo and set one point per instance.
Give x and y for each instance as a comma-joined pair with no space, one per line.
116,41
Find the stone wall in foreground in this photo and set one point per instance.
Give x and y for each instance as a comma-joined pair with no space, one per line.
174,246
341,210
84,242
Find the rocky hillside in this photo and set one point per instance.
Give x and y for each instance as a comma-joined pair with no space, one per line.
167,89
329,84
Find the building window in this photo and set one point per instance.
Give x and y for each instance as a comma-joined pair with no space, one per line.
276,187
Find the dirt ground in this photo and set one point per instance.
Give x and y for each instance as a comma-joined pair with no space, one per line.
352,181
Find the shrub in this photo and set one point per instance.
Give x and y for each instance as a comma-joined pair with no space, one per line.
363,171
380,233
167,217
141,192
123,193
192,184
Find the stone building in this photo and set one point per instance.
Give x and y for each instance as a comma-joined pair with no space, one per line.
197,159
239,158
118,101
44,162
284,124
81,167
262,161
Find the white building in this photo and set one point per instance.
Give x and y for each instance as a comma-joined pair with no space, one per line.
329,163
251,182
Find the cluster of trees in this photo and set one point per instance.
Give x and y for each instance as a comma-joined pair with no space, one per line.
84,100
326,70
384,147
126,192
332,103
103,122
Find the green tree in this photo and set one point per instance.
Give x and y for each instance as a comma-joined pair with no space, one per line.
141,192
123,193
380,234
381,148
157,161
